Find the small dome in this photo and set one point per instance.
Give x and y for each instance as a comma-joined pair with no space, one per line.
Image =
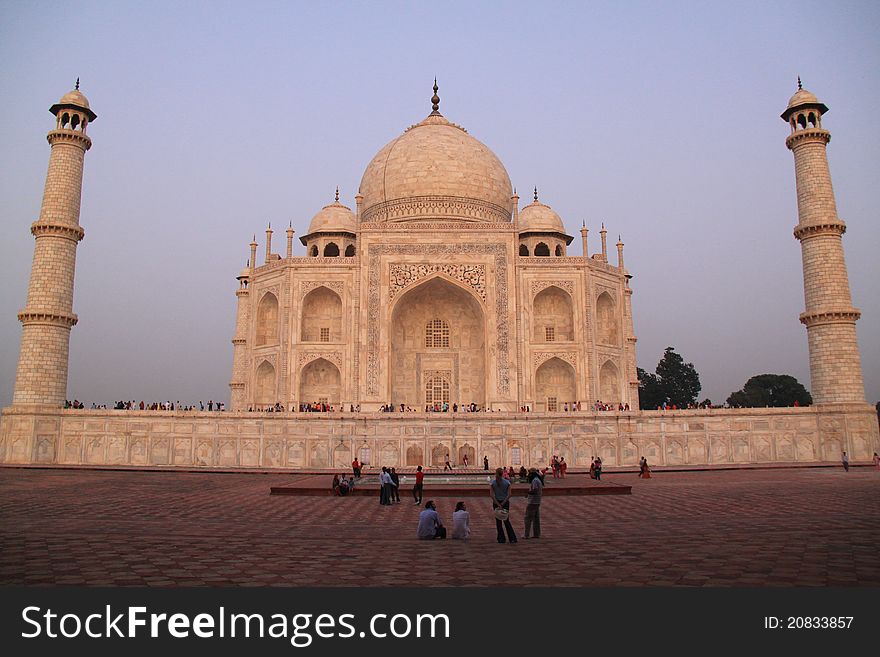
75,97
333,218
539,218
802,97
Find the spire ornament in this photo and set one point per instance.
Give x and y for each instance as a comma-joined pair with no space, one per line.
337,193
536,194
77,84
435,99
800,86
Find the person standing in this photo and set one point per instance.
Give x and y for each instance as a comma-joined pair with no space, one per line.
385,486
430,525
876,461
465,460
485,463
533,504
447,465
419,486
563,466
499,491
845,462
598,467
461,522
395,486
356,468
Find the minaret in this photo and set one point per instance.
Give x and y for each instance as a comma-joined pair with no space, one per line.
835,364
584,232
604,235
290,233
239,342
47,318
269,243
619,253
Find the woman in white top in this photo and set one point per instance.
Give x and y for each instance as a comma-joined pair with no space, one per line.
461,522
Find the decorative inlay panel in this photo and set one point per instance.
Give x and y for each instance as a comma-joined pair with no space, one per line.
439,252
307,286
334,357
271,288
612,292
402,276
537,286
540,357
446,375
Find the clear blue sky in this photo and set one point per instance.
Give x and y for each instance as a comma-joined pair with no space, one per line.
660,119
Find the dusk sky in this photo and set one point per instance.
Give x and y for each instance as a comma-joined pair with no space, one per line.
659,119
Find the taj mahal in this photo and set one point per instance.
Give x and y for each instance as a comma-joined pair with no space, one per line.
438,290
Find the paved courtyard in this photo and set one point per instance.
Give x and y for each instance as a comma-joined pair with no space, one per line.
808,527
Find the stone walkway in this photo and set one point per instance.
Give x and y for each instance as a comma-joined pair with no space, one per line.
816,527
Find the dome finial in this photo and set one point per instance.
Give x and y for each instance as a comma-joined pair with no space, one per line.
77,84
800,86
536,193
337,193
435,99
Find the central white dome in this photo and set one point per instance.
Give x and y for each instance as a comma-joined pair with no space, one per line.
436,170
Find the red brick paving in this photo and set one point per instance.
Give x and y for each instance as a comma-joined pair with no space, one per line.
816,527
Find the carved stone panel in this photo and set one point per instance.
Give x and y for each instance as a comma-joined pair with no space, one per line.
404,275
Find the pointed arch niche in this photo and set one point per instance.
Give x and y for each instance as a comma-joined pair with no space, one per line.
609,383
320,380
267,320
552,309
264,385
555,385
607,329
321,316
460,353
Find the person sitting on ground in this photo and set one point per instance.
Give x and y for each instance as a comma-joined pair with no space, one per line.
461,522
523,473
430,525
335,484
345,486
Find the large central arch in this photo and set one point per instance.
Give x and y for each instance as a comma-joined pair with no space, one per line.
438,331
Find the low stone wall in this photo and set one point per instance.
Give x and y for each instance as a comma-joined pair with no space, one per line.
324,440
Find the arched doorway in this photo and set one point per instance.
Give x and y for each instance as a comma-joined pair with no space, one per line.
555,385
267,320
606,320
437,339
609,387
414,455
264,388
438,455
553,313
467,450
320,382
321,316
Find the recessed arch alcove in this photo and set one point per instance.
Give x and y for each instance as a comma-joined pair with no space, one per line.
555,384
320,381
417,355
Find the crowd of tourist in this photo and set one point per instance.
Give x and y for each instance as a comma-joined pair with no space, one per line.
134,405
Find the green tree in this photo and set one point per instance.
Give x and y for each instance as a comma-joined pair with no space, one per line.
650,393
675,382
772,390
